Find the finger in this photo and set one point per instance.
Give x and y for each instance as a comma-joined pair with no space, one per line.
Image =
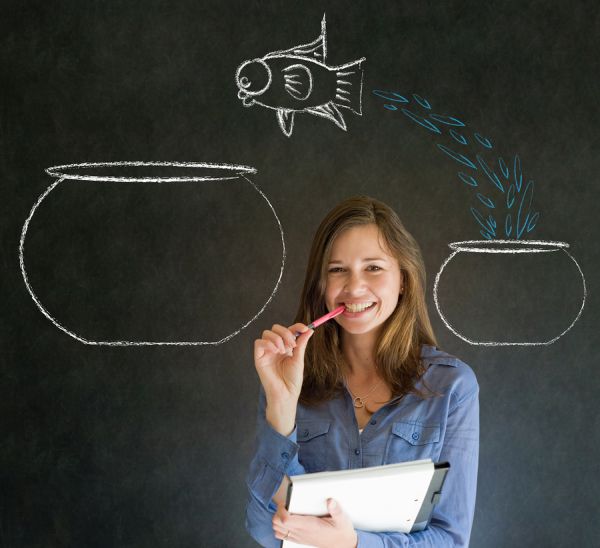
282,513
284,535
335,510
286,334
275,339
277,523
261,347
288,339
296,522
280,529
298,328
302,341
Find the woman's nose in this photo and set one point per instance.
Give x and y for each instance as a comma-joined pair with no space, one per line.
354,283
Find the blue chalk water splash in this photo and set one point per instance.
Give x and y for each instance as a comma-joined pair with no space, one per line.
502,197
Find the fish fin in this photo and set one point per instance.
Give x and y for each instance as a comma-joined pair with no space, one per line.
286,120
329,111
298,81
317,49
348,92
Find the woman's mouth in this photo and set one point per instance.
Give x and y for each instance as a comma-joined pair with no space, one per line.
357,309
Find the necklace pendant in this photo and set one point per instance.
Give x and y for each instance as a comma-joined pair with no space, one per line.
358,402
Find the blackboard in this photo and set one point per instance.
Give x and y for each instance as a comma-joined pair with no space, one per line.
148,444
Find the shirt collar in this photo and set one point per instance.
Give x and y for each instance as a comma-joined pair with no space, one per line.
431,355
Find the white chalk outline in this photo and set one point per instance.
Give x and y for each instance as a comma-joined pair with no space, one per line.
482,246
247,93
285,115
289,82
59,171
528,246
302,49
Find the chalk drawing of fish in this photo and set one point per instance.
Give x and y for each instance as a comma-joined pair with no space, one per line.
300,80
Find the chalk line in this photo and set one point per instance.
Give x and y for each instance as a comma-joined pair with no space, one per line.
479,246
304,68
62,172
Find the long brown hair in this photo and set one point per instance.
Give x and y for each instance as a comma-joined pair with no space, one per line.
398,349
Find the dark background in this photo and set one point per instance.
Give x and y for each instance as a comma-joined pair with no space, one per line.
149,446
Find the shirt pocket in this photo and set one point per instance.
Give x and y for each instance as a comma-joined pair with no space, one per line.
412,440
312,437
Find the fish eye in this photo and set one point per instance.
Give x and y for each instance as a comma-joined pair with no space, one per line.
254,77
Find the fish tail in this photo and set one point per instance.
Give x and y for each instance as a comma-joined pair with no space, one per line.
348,87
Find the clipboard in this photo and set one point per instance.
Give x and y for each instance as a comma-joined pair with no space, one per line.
389,498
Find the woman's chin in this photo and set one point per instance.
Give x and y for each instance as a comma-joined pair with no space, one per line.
357,329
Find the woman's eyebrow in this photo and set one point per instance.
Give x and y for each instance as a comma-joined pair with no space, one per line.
368,259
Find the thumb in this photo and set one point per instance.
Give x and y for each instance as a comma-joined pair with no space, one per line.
302,341
334,508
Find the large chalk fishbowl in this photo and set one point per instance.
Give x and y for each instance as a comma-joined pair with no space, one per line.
144,253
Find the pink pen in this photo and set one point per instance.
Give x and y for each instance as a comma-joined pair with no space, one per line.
323,319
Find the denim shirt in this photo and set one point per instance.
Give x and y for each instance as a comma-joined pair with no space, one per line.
326,437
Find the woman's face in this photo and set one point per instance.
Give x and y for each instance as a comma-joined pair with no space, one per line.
362,276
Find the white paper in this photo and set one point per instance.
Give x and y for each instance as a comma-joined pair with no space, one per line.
380,498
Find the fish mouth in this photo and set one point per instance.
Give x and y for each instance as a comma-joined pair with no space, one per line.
245,97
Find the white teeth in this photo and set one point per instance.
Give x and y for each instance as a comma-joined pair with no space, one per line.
357,307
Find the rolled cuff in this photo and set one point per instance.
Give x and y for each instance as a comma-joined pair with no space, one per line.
276,455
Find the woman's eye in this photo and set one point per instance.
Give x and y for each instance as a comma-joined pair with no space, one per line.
336,269
374,268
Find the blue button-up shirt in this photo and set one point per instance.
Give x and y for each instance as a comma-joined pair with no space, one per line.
326,437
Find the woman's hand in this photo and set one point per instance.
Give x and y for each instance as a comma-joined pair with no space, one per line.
336,530
279,362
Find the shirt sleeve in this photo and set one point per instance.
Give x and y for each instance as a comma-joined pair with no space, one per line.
452,517
274,457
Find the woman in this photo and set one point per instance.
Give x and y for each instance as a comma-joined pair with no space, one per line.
370,387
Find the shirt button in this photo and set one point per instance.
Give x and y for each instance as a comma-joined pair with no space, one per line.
357,451
305,433
415,436
285,456
373,422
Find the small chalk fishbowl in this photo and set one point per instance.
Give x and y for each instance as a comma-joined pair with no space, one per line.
144,253
509,292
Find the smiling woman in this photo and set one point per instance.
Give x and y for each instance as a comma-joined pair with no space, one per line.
363,277
367,388
363,253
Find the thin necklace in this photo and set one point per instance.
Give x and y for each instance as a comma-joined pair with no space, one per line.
359,401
